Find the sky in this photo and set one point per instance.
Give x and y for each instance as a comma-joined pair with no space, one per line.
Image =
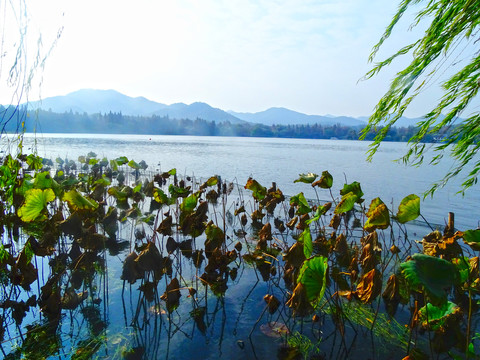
240,55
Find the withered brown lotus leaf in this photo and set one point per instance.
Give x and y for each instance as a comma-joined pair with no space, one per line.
266,232
292,222
369,286
295,255
335,222
272,302
302,223
150,258
71,299
298,302
172,295
165,227
244,219
171,245
131,271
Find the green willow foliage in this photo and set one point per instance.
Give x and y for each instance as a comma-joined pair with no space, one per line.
452,23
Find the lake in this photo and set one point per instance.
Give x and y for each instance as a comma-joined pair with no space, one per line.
117,320
281,160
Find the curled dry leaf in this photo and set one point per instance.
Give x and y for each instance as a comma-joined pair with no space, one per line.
369,286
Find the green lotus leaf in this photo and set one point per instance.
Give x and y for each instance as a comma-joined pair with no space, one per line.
409,209
177,191
78,202
36,201
172,171
353,187
306,238
436,317
121,160
313,276
259,191
189,203
117,193
320,211
134,165
430,274
346,203
43,180
137,187
160,196
325,181
378,216
213,180
463,266
306,178
472,238
301,203
93,161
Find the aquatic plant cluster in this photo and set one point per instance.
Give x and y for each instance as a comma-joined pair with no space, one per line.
331,271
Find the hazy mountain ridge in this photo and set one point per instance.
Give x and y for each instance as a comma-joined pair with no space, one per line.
92,101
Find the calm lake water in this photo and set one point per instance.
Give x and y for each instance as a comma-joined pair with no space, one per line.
281,160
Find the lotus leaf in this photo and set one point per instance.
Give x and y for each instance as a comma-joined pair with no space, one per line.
301,203
436,317
177,191
35,204
353,187
306,178
430,274
189,203
472,238
259,192
409,209
306,238
77,201
378,216
346,203
325,181
463,266
172,295
160,196
369,286
313,276
134,165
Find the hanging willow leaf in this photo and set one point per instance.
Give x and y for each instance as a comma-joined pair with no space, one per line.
378,216
35,204
430,274
313,276
306,178
409,209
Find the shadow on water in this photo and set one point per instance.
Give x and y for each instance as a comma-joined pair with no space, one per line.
100,260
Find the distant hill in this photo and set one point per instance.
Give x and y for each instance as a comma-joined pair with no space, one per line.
92,101
282,116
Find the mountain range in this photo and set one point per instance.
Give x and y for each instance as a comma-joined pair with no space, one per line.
92,101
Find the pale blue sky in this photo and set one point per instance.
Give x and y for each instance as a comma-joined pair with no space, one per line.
240,55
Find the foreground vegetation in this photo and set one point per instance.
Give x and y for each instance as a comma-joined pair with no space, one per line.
326,270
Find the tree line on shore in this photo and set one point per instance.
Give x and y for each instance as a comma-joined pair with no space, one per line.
15,119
